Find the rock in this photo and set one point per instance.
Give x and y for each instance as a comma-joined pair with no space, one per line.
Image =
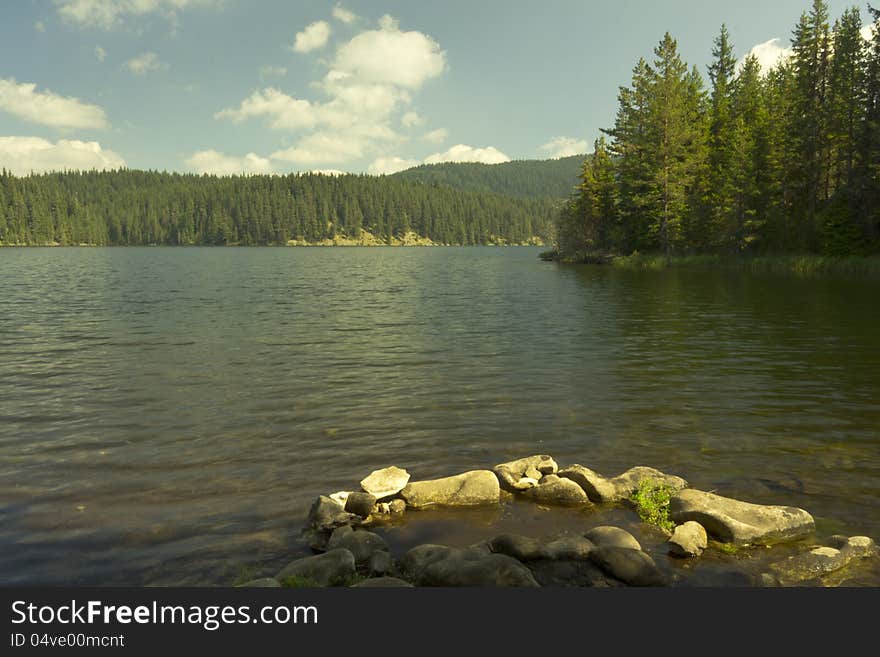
597,487
553,490
571,574
397,506
621,487
386,482
380,564
607,536
360,504
525,483
262,582
361,543
568,548
438,565
467,489
809,565
519,547
822,560
633,567
462,569
327,514
531,467
859,546
688,540
382,582
326,569
414,562
340,497
532,473
382,509
741,523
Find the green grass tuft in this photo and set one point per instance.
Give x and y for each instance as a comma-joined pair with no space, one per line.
652,503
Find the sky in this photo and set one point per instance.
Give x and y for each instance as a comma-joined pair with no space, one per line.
363,86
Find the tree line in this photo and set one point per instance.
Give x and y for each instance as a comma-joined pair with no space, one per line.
782,161
130,207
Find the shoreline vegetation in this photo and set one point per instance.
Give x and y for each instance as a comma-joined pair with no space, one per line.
408,239
795,264
754,544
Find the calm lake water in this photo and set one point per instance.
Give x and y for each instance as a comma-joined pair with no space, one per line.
168,414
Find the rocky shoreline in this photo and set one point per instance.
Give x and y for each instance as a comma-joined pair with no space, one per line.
690,521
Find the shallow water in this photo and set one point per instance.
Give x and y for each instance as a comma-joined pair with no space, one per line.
168,414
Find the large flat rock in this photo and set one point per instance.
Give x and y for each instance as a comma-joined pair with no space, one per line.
386,482
614,489
467,489
742,523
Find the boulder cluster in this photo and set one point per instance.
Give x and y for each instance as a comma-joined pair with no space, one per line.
349,554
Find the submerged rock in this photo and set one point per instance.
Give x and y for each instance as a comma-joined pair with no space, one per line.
512,473
570,573
467,489
555,491
741,523
568,548
688,540
361,543
822,560
433,565
519,547
608,536
614,489
386,482
325,569
523,548
632,567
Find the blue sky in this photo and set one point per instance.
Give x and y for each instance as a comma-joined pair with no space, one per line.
259,86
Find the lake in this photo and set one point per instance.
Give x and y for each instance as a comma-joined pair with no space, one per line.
167,415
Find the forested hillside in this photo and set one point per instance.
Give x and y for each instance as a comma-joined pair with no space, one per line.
521,178
141,207
779,161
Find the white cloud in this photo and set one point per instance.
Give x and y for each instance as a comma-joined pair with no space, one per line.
106,14
272,71
464,153
323,148
22,155
284,112
100,53
411,119
867,32
217,163
40,26
390,56
144,63
361,103
340,13
437,136
47,108
388,165
565,146
313,37
769,54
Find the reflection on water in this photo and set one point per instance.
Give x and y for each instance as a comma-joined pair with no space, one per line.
168,414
